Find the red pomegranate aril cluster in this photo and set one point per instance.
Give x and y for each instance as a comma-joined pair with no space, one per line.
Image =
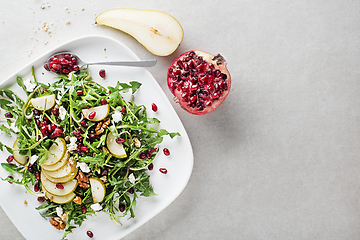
148,154
198,81
62,64
49,129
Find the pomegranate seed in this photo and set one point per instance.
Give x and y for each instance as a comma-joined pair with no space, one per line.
90,234
11,177
46,67
44,89
92,115
102,73
120,140
142,155
41,199
148,155
103,101
8,115
91,136
84,149
36,187
59,186
30,168
84,124
163,170
10,158
83,209
131,190
166,152
154,107
79,92
123,110
37,175
151,166
77,133
55,111
122,207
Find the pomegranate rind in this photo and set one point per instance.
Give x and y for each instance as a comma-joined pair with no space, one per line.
177,88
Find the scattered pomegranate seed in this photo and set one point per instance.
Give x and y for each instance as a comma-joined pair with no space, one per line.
84,149
41,199
36,187
120,140
131,190
84,124
59,186
122,207
8,115
79,92
103,101
142,155
166,152
55,111
154,107
151,166
102,73
163,170
123,110
83,209
90,234
11,177
109,92
10,158
92,115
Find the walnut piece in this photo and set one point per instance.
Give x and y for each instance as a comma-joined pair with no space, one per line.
57,223
100,127
77,200
82,180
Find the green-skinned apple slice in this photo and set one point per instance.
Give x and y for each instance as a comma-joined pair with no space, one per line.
116,149
97,189
96,114
50,187
56,152
43,103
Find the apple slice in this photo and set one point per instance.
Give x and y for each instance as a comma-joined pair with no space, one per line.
97,189
21,159
66,170
96,114
66,179
59,199
116,149
56,152
157,31
43,103
57,165
50,187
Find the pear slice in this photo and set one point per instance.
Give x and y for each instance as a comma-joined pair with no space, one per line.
56,152
57,165
97,189
21,159
101,112
50,187
157,31
43,103
66,179
116,149
66,170
59,199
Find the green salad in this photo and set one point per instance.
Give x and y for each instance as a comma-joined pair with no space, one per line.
80,147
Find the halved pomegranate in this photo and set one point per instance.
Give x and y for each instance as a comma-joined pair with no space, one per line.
199,81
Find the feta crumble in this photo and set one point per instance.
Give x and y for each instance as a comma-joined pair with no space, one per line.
33,159
83,166
96,207
117,116
132,178
29,85
59,211
72,145
62,112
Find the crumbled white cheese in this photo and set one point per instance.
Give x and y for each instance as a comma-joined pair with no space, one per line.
59,211
83,166
72,145
96,207
132,178
62,112
14,128
33,159
29,85
117,116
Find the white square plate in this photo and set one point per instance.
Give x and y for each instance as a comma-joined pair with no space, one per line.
167,186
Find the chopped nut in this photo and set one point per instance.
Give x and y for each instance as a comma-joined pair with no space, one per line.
67,138
77,200
100,127
82,180
104,179
25,202
137,142
67,22
57,223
